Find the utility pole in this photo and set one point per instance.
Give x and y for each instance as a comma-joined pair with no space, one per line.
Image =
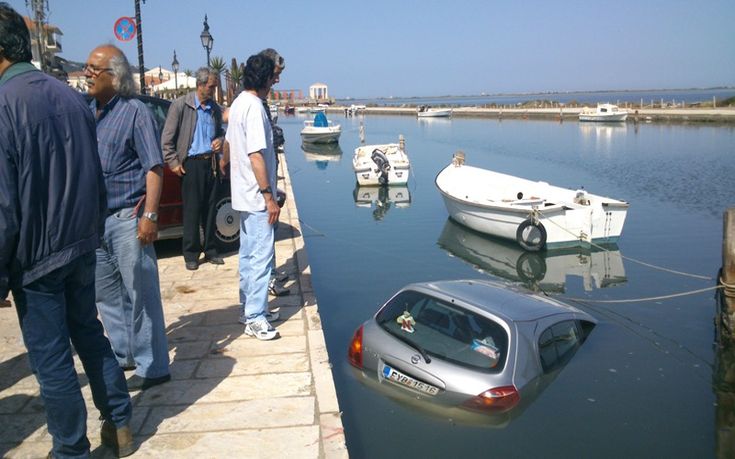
139,35
39,16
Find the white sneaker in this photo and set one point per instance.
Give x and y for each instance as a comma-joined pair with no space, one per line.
261,329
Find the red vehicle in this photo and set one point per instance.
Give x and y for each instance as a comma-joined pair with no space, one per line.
170,213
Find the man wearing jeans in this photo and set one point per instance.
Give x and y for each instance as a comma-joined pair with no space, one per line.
128,293
52,205
253,169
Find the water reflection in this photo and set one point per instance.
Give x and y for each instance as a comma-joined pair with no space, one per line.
384,198
322,153
602,135
545,270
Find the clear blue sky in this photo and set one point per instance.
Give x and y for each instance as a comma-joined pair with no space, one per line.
404,48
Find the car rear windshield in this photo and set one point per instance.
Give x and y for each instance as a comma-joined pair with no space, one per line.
445,331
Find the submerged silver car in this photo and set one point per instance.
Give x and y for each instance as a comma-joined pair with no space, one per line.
467,347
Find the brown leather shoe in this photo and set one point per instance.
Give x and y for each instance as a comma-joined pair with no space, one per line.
119,439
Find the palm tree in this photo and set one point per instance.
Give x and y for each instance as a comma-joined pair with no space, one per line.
235,80
218,65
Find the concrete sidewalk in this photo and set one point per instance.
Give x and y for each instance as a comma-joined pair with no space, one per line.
231,395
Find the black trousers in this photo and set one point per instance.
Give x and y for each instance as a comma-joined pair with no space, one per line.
199,187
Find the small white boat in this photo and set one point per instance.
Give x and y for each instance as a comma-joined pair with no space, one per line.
302,109
603,112
320,130
385,164
535,214
427,112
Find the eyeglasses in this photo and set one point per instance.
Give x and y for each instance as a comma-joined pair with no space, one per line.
95,71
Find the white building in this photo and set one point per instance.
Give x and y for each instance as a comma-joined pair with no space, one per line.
318,92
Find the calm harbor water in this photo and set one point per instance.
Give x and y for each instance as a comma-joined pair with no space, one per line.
641,386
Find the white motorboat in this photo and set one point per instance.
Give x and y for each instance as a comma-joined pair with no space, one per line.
320,130
535,214
385,164
548,270
428,112
603,112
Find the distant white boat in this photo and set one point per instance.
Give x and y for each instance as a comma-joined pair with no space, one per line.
535,214
302,109
427,112
603,112
385,164
320,130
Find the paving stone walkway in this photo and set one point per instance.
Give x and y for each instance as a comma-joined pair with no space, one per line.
230,395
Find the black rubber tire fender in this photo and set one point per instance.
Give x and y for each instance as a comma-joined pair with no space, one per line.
531,236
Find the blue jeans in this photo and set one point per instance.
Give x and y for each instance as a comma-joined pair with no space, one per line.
256,259
53,310
129,297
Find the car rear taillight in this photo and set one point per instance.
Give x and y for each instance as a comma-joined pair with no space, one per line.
354,353
499,399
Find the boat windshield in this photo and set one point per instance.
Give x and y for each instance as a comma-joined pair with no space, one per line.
445,331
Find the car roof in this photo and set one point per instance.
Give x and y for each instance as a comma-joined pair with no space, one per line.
504,300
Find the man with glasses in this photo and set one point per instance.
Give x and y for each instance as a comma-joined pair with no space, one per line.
191,139
52,206
128,292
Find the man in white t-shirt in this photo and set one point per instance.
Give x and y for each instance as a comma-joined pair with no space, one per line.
253,180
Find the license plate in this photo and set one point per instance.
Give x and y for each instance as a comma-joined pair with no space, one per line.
399,378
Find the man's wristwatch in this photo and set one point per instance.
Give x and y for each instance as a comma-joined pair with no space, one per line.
266,190
152,216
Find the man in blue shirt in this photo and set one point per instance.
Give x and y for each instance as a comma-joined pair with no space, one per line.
52,205
191,139
128,292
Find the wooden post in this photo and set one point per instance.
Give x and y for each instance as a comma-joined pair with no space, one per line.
727,312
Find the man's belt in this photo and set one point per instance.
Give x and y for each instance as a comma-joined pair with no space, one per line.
202,156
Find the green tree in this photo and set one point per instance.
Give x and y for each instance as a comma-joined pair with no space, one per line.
188,73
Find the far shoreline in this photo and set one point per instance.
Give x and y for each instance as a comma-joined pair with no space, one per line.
724,115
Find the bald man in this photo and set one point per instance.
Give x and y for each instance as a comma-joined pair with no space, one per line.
128,292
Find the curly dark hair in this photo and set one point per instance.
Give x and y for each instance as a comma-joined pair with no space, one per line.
258,72
15,39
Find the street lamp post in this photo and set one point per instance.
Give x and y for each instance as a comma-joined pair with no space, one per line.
175,66
160,74
206,38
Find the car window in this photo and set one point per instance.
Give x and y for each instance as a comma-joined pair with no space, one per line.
445,331
558,343
159,110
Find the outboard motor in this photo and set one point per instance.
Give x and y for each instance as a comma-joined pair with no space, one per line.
381,161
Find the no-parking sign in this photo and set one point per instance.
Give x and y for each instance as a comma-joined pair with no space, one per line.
125,28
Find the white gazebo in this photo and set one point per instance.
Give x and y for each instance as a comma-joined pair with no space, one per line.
318,91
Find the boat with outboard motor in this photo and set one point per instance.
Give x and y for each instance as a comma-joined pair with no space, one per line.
537,215
385,164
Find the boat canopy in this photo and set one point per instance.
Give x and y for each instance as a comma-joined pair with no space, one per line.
320,120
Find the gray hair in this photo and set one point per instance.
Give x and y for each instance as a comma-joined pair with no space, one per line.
203,74
272,54
122,74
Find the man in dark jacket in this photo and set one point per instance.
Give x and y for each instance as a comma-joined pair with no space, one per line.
191,139
52,205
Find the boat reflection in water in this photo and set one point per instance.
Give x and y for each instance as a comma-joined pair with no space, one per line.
322,153
384,197
545,270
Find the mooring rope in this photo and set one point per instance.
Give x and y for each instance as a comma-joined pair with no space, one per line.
640,300
643,263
